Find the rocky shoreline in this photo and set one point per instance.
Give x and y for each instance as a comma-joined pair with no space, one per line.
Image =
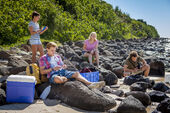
112,54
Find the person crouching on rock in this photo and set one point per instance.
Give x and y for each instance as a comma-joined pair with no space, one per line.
52,65
132,65
90,48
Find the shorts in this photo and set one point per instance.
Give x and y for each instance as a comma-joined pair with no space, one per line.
35,41
62,72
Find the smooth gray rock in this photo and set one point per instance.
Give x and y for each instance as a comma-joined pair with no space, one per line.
144,98
16,62
110,78
131,105
164,106
160,87
11,70
119,93
139,86
76,94
129,80
118,71
4,55
157,68
2,97
157,96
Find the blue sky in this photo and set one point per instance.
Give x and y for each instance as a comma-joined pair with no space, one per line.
154,12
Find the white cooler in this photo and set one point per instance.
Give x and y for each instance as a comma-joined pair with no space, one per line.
167,77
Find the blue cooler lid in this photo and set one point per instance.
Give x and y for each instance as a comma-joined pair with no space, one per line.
21,78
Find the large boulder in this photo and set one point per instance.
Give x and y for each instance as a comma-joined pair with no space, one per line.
164,106
119,93
168,91
129,80
139,86
2,97
107,66
3,85
4,55
106,89
157,68
76,94
110,78
3,79
76,58
107,53
79,43
157,96
155,111
70,66
131,105
26,47
141,96
84,65
11,70
160,87
16,62
118,71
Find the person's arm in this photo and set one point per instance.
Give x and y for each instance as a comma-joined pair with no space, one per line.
33,32
45,71
96,47
44,30
144,62
84,47
128,70
64,66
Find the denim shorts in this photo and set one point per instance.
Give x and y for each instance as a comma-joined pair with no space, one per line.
35,42
62,72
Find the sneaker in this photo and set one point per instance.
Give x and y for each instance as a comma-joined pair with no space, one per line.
97,85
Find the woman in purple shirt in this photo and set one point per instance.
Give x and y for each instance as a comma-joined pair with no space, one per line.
91,48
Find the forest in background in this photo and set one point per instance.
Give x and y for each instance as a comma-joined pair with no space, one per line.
70,20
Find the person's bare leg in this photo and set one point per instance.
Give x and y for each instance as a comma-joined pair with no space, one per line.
40,49
78,77
146,70
89,57
60,80
34,50
97,58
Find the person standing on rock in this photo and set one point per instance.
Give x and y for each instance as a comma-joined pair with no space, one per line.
132,65
90,48
35,32
52,65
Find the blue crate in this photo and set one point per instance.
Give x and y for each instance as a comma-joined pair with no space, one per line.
91,76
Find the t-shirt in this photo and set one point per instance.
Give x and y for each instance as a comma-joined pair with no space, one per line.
90,46
35,28
50,62
131,64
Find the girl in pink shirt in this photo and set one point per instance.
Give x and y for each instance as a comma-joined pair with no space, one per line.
91,48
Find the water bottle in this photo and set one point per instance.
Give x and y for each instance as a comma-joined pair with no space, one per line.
45,93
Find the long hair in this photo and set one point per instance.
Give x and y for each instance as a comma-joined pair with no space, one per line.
90,36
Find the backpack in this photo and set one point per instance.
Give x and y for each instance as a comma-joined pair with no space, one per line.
85,70
33,70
